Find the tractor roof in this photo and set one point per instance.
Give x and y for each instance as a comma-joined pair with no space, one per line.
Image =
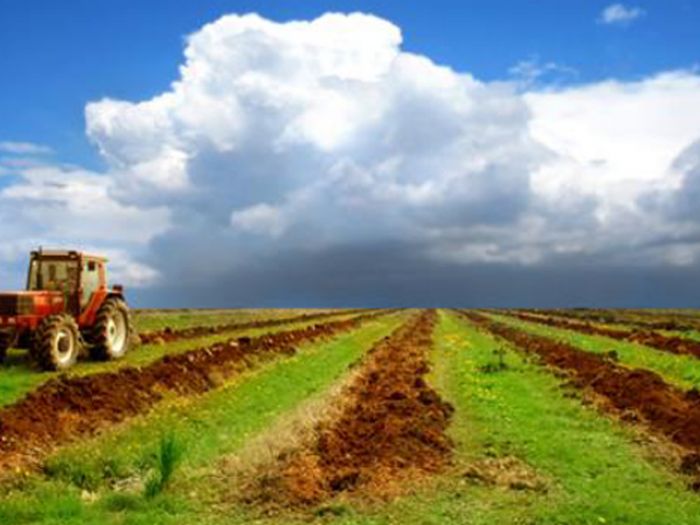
67,254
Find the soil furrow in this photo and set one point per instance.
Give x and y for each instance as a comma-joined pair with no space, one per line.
168,335
672,344
390,426
636,393
672,322
69,407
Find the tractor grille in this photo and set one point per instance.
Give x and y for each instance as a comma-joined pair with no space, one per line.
13,304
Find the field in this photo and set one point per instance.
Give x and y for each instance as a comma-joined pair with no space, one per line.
364,417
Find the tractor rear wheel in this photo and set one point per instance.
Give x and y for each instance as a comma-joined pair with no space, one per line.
56,342
111,334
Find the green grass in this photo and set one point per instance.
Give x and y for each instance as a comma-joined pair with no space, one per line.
18,376
152,320
169,455
207,427
595,471
680,370
625,320
626,323
688,334
594,468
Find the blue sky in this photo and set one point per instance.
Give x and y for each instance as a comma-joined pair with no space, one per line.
60,55
358,153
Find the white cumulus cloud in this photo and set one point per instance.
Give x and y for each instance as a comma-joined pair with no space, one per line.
57,206
260,218
23,148
325,127
619,14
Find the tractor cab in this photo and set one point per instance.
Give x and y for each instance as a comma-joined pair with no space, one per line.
74,277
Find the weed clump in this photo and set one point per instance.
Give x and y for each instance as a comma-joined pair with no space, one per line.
170,453
499,365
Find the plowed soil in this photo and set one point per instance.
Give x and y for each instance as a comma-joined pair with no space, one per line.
168,335
665,409
69,407
674,322
391,424
672,344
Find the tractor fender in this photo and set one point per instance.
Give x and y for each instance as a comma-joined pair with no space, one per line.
87,317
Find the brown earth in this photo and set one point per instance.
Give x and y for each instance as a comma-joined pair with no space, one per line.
168,334
665,408
656,321
672,344
390,426
69,407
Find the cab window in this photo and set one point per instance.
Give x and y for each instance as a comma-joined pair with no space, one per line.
90,281
54,275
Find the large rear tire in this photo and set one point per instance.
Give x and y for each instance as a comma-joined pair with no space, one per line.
57,342
111,335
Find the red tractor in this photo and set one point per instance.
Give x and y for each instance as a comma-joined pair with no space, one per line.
66,311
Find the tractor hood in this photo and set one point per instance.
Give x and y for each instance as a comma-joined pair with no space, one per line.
30,303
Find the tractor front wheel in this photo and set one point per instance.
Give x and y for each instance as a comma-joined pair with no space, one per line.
111,334
57,342
6,342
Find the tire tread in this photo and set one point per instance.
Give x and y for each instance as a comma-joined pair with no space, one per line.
99,337
42,346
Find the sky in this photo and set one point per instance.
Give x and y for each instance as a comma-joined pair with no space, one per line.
223,153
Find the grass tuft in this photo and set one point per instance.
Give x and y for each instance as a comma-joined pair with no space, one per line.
499,365
170,453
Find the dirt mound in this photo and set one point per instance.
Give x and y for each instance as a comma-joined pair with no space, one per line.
169,334
391,423
672,344
69,407
663,407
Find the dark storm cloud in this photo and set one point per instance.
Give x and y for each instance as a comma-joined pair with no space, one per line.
685,202
388,274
